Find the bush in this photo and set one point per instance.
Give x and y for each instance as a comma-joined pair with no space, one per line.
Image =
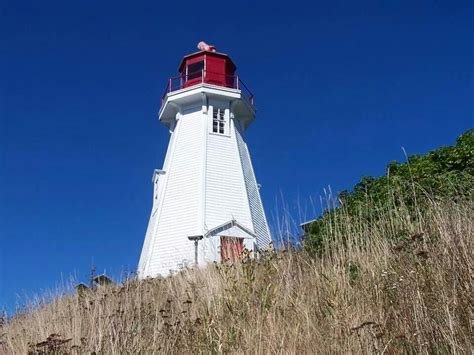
443,174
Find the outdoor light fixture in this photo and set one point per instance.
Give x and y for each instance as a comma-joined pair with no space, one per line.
196,239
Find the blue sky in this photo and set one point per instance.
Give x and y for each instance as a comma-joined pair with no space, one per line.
340,88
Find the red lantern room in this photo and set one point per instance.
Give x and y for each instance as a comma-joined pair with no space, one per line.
207,67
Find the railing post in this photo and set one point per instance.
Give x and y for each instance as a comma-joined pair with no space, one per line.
170,85
237,83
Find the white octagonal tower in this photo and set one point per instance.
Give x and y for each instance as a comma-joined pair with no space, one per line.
206,202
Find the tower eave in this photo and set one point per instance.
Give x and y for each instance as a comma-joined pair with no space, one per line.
175,101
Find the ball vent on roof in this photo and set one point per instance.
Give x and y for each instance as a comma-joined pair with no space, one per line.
203,46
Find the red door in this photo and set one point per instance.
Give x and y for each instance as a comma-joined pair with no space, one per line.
231,249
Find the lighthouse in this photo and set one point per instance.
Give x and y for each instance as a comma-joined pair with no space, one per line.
206,200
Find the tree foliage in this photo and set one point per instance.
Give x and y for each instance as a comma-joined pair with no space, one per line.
446,173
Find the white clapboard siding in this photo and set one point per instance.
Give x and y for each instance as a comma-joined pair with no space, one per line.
226,195
180,206
159,183
255,203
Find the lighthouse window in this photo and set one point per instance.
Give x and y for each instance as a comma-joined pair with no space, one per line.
195,70
218,121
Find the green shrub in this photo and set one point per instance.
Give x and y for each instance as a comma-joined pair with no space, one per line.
446,173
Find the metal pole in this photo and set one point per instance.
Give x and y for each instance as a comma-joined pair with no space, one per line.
196,239
196,252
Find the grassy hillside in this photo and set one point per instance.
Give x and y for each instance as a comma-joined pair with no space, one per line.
389,270
367,294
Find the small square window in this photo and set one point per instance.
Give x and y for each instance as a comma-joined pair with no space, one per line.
195,70
218,121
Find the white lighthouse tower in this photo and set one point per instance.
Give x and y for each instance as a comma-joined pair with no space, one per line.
206,200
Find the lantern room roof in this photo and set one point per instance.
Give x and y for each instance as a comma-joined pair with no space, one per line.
200,53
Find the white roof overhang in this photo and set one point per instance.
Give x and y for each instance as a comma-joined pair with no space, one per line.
175,100
229,229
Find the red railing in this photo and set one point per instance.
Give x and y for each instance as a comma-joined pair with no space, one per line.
205,76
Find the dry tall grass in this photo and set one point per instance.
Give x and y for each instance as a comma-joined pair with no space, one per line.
369,295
